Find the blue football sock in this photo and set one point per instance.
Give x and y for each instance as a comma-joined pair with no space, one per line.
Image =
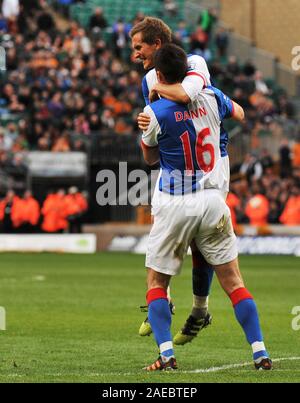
159,316
247,316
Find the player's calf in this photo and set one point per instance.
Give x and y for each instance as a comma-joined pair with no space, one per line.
245,311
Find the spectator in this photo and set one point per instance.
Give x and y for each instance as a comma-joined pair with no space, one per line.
55,213
296,155
30,213
181,33
84,42
274,212
234,203
97,20
251,168
233,68
286,108
79,145
122,127
62,143
107,119
43,144
81,125
45,22
94,123
138,18
76,206
285,159
260,84
9,212
6,142
63,6
170,8
261,103
55,106
249,69
266,160
199,40
207,20
257,210
291,212
241,98
20,144
22,23
222,42
120,39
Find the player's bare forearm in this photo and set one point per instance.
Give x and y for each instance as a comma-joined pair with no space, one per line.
173,92
151,155
238,112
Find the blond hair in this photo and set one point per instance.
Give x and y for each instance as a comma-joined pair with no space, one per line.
152,29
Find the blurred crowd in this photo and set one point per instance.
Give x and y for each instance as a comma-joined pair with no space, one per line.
59,212
63,82
60,82
265,191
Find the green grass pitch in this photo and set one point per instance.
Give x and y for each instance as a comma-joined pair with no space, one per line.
75,318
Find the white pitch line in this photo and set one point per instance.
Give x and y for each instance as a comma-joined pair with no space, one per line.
195,371
232,366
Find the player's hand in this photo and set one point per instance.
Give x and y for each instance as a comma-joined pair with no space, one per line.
153,96
143,120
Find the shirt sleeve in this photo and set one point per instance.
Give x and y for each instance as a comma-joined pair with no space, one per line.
149,137
225,104
145,90
197,77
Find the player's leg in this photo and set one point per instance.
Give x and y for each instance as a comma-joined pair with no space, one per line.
217,242
245,310
160,320
170,236
199,317
145,328
202,276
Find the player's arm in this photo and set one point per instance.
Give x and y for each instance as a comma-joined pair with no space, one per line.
232,110
227,107
238,112
145,90
151,154
143,118
196,79
173,92
149,142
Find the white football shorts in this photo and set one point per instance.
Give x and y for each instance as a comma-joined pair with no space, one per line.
202,216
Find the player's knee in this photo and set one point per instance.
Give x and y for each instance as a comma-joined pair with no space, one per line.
157,280
229,276
232,285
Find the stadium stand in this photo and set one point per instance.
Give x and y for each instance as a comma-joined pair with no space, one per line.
70,88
